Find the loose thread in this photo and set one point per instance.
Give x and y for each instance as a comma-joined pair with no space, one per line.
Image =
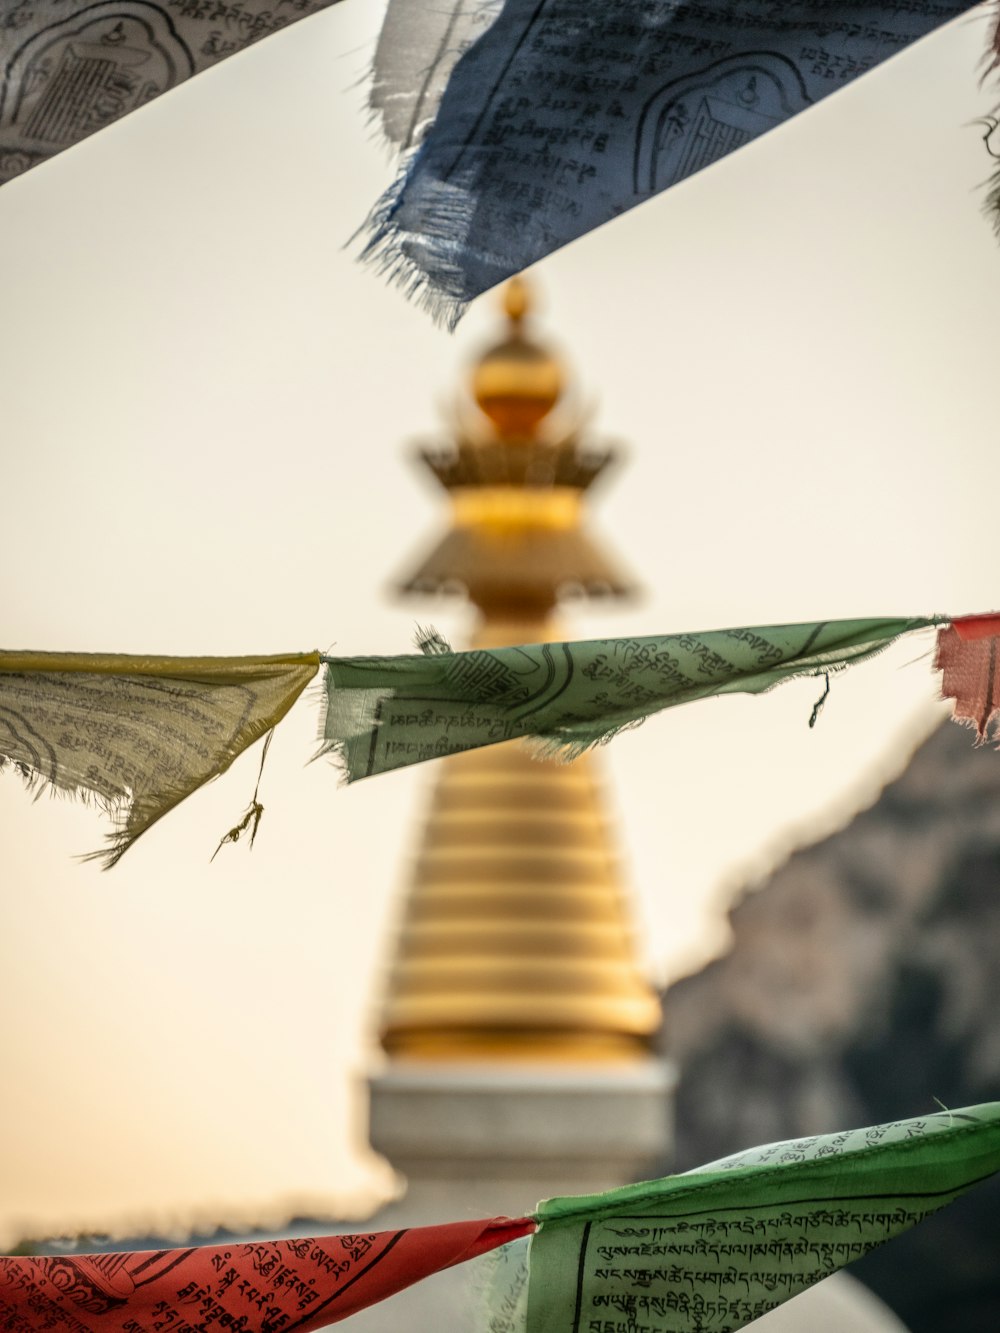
251,820
818,705
992,124
431,642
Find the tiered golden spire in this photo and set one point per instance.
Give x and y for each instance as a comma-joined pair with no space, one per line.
515,941
516,473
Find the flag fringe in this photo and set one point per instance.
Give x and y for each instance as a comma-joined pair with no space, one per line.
118,809
991,63
429,265
332,748
130,815
991,204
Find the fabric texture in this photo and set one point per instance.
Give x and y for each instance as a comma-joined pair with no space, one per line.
970,676
718,1247
138,734
386,712
418,47
70,67
565,113
711,1249
289,1285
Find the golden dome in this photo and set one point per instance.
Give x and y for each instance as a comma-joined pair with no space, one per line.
517,382
516,942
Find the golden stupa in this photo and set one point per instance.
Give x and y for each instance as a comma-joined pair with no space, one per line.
516,940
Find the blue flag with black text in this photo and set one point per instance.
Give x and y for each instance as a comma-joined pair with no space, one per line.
565,113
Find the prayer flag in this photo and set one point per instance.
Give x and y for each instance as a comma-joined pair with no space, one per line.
714,1248
70,67
720,1246
566,113
418,47
292,1285
969,662
138,734
386,712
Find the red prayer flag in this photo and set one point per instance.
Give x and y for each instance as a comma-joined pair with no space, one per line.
968,657
277,1286
977,627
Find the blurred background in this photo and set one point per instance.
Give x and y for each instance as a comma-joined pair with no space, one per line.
208,415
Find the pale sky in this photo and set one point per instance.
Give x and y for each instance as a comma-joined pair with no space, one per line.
207,406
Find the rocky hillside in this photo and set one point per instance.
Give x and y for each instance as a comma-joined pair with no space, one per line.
863,985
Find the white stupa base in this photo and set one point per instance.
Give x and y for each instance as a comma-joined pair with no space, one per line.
481,1140
474,1140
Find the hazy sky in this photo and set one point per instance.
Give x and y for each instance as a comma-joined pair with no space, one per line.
206,411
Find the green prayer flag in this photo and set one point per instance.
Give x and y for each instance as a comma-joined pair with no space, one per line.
717,1247
386,712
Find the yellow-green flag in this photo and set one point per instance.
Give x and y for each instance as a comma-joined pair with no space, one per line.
138,734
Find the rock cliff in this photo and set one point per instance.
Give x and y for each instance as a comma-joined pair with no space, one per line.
862,985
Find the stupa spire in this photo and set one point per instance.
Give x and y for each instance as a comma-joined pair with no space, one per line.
517,469
516,940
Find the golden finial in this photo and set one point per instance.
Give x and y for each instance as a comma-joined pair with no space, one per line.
517,382
517,473
517,299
